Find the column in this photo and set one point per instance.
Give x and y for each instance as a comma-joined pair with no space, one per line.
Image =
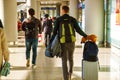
64,2
32,4
2,10
28,4
94,18
47,11
73,8
10,19
74,13
58,9
53,13
38,10
107,41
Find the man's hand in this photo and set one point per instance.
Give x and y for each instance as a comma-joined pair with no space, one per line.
91,37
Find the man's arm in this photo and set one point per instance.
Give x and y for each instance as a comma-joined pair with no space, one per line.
78,29
56,26
24,26
40,27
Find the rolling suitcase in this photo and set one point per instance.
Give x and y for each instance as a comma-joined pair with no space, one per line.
90,70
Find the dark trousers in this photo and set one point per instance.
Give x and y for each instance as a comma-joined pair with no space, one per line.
34,44
67,55
47,39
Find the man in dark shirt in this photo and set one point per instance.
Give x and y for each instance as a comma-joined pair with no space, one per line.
47,28
32,27
67,47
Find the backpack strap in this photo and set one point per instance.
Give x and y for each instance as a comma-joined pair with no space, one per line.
62,39
71,32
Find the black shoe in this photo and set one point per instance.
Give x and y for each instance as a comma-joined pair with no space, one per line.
70,76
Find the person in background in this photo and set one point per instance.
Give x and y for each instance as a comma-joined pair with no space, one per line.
47,28
32,27
4,52
19,25
53,19
67,39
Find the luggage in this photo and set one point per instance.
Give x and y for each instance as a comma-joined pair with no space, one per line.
48,52
90,51
90,70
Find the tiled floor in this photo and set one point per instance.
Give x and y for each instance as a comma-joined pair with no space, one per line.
50,68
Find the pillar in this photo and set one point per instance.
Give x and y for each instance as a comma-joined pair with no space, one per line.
47,11
2,10
65,3
58,9
73,8
107,30
74,13
28,4
10,19
55,13
52,13
94,18
38,10
31,4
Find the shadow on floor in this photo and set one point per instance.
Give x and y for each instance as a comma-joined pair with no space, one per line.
19,68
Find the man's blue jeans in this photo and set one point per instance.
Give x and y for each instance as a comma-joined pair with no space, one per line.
31,43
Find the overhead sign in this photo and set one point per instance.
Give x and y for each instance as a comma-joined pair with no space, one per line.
48,8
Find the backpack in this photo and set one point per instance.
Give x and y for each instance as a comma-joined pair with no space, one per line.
48,26
31,29
90,51
66,31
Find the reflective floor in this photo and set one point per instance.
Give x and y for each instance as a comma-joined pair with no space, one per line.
50,68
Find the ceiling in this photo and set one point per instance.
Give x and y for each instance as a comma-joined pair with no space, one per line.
45,2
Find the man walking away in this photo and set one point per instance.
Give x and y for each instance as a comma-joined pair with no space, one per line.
32,27
65,27
47,28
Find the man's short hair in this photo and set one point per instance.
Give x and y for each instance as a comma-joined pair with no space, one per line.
46,15
65,8
31,11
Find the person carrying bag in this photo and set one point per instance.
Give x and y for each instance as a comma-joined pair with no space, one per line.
5,69
4,52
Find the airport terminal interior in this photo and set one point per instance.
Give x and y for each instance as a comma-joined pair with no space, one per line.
99,17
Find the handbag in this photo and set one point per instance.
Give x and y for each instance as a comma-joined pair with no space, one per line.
5,69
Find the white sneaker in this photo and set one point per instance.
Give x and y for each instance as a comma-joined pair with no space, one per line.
34,66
